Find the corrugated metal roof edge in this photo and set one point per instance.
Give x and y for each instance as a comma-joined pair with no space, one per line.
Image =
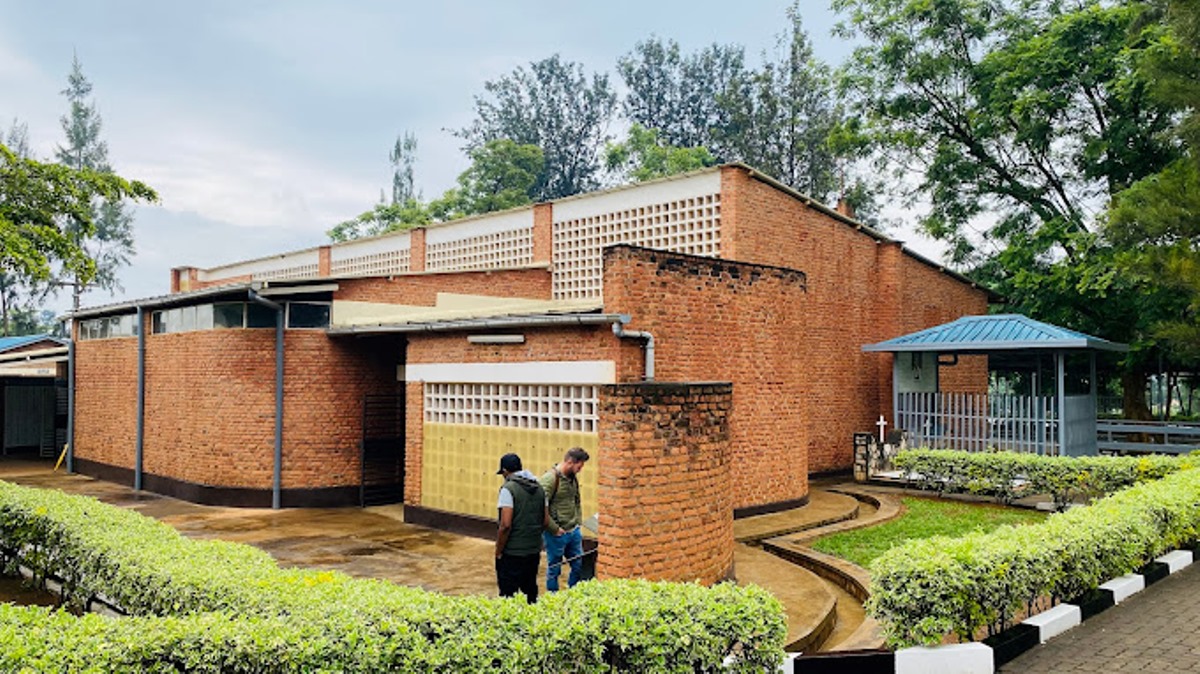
979,347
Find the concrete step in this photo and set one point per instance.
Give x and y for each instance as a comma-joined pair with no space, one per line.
808,601
824,508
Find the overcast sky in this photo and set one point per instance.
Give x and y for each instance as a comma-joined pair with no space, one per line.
262,124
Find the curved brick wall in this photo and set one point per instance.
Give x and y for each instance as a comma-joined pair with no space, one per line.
666,500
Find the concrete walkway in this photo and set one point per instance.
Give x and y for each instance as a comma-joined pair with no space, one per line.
1156,630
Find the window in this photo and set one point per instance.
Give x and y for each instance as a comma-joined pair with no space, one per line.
229,315
258,316
108,327
308,314
224,316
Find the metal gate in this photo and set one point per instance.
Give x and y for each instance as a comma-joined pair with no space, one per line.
382,450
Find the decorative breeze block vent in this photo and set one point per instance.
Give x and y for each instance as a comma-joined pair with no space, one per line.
371,264
509,248
537,406
297,271
690,225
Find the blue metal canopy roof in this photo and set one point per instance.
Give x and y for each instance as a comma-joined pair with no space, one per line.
1002,332
7,343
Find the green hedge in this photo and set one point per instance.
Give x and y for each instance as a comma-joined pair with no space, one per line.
1007,475
925,589
219,606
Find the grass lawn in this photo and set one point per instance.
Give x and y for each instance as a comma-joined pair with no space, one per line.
924,518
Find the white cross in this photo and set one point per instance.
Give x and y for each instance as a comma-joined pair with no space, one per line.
882,423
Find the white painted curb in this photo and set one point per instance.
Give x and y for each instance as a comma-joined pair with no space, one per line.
1177,560
1125,587
1055,621
972,658
788,666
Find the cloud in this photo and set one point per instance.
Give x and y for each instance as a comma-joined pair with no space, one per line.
199,167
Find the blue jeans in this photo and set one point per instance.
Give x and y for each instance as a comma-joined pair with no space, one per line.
568,546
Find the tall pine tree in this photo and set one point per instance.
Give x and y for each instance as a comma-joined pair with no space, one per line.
111,245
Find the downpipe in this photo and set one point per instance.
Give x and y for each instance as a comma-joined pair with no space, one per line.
277,478
648,339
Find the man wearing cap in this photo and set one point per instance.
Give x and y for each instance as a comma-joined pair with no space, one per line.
523,516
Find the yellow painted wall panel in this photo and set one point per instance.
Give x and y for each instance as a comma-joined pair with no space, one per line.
458,467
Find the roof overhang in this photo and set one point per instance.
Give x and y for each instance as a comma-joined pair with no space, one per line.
985,347
519,321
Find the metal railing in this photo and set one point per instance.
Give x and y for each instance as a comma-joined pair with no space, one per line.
980,422
1167,437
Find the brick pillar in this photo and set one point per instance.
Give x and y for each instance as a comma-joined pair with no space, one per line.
889,259
665,490
416,249
543,232
414,440
733,183
183,279
323,261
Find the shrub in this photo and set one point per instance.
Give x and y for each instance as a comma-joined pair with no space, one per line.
219,606
925,589
1005,475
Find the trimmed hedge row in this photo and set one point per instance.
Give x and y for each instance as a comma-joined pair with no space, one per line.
219,606
925,589
1006,475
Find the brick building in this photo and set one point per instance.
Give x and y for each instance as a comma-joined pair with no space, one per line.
412,361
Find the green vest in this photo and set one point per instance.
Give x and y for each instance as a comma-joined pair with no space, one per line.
564,499
528,508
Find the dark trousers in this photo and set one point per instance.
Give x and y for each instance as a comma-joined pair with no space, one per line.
515,573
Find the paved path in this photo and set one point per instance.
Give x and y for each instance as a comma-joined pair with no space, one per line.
1155,631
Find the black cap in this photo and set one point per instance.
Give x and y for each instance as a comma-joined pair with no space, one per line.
510,463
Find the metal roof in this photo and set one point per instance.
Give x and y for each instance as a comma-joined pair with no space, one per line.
7,343
1002,332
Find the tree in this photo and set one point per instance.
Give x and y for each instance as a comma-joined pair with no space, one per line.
551,104
381,219
17,139
43,210
783,115
779,118
1022,117
642,156
684,97
1157,220
110,243
502,175
403,156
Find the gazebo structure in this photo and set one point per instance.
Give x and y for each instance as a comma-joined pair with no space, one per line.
1041,395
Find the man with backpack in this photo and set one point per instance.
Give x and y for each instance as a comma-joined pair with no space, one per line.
563,536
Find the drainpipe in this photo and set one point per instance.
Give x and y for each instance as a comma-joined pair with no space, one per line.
620,331
141,399
277,480
71,404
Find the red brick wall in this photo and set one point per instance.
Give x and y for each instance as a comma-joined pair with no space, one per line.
416,249
666,501
210,405
543,232
563,343
106,401
717,320
422,289
860,291
414,438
